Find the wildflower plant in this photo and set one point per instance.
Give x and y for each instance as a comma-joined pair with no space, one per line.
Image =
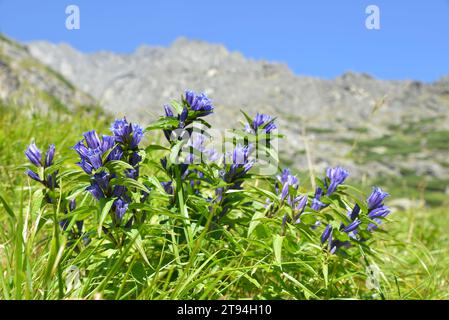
194,187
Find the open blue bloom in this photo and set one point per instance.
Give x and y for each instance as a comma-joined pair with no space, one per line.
336,176
380,212
34,155
199,102
92,149
261,121
128,134
376,209
92,139
376,198
107,143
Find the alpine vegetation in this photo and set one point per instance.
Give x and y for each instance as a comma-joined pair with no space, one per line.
187,216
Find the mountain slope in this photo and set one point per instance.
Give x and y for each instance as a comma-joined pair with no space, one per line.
334,114
24,81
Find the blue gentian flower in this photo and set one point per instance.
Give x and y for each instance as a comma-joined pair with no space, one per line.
316,203
183,117
50,155
120,209
287,180
376,209
326,233
92,139
376,198
34,155
127,133
95,190
200,103
261,121
354,213
380,212
168,111
102,180
33,175
336,176
352,226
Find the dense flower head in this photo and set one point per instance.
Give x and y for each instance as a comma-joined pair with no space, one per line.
336,176
199,102
92,148
261,121
129,134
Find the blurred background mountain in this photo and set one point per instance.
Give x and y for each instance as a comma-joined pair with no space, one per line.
392,132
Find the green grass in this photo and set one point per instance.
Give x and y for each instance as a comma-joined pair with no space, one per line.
37,262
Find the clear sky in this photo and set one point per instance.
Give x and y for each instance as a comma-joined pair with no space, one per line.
320,38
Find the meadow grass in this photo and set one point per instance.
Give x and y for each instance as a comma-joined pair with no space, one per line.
37,261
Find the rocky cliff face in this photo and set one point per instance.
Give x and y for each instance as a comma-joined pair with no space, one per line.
24,81
370,126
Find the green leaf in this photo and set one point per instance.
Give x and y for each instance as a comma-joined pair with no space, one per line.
163,123
104,212
155,147
255,221
7,208
277,247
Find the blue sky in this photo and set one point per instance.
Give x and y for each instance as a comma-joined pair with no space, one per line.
320,38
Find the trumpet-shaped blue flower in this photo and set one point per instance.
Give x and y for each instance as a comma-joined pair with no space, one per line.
376,198
336,176
199,102
261,121
128,134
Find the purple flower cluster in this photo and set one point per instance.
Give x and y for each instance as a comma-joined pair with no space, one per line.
34,155
262,122
336,177
376,211
95,153
199,103
376,208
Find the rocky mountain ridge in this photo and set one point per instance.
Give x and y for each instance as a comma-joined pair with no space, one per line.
373,127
